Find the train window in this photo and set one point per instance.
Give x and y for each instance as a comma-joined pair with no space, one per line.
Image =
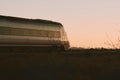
32,32
50,34
28,32
17,32
57,34
39,33
44,33
13,31
1,30
4,30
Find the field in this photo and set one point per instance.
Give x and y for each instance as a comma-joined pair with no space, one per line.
34,63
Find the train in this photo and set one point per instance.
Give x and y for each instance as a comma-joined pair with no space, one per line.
18,31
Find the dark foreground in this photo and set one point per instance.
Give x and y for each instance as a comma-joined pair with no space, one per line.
34,63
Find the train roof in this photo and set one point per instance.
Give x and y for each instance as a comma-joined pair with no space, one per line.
30,21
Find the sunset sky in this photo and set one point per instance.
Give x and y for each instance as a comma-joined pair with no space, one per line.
88,23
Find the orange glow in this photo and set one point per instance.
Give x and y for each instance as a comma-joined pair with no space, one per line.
88,23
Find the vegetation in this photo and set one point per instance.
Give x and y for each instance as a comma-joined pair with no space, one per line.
35,63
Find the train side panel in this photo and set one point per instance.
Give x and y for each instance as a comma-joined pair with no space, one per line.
15,33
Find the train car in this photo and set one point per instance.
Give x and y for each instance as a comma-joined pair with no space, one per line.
16,31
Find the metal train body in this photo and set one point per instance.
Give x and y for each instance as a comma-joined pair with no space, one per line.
31,32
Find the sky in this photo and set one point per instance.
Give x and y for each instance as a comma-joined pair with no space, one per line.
88,23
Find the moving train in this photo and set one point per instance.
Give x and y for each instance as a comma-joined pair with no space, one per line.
16,31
